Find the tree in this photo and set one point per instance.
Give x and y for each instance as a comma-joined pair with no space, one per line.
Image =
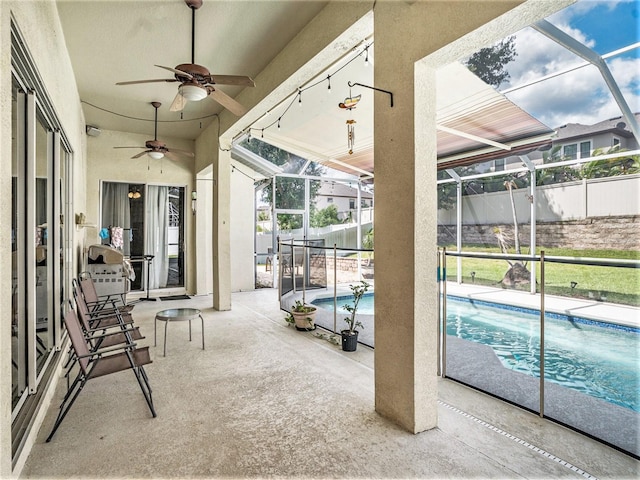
517,272
367,242
622,165
325,217
489,63
548,176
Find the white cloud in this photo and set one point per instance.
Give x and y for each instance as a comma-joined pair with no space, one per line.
580,96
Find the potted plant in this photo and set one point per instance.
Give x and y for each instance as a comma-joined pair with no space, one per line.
302,316
350,335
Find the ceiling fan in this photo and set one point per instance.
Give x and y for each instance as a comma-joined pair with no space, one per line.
195,80
156,148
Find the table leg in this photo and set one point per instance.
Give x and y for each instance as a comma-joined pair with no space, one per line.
202,320
165,338
155,327
189,329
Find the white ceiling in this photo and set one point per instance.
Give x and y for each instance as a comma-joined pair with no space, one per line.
112,41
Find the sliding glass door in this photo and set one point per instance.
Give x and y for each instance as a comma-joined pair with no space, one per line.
39,268
151,218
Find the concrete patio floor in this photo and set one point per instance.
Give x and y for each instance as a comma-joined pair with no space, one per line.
264,400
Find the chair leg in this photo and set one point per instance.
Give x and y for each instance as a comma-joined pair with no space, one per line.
141,376
65,407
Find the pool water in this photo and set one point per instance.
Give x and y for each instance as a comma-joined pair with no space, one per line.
365,307
580,354
583,355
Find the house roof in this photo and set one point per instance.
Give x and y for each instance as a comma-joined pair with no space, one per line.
615,125
336,189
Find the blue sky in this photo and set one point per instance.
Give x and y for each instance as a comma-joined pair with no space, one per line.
580,96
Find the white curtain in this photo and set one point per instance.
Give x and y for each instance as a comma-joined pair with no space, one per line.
157,235
115,209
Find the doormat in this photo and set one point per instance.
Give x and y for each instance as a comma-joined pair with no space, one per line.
176,297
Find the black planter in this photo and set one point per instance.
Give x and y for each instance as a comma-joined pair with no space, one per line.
349,341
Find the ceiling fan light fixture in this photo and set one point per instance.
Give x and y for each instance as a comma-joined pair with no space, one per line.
193,93
156,155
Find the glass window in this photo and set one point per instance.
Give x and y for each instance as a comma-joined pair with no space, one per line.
570,152
585,149
352,203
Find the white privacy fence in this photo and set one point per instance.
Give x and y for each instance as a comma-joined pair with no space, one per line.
344,235
597,197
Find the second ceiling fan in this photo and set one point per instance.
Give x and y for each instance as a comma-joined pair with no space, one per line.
196,82
156,148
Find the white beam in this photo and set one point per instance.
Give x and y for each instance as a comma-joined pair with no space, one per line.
470,136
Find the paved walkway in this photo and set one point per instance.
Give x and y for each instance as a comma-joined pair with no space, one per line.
266,401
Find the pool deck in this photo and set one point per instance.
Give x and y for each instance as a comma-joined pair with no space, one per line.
595,310
477,365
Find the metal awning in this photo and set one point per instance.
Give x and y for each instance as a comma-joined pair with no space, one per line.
475,123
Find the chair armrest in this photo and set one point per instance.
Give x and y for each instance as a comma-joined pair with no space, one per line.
101,351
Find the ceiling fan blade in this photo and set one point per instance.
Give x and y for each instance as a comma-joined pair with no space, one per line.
130,147
239,80
171,156
141,154
229,103
178,103
179,72
133,82
181,152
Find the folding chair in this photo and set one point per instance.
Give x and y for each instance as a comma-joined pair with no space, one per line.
93,319
98,303
100,363
101,337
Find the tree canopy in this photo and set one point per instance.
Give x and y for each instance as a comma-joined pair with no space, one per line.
489,63
325,217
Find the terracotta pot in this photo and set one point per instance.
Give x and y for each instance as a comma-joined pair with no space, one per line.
305,321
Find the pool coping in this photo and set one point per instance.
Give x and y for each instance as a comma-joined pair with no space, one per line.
624,315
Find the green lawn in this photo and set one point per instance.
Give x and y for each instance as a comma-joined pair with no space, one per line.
613,284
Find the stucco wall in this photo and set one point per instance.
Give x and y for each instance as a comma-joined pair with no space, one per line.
242,229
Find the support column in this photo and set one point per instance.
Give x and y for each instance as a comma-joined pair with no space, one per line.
221,231
406,193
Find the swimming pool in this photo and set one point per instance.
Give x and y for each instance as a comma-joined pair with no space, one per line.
598,359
